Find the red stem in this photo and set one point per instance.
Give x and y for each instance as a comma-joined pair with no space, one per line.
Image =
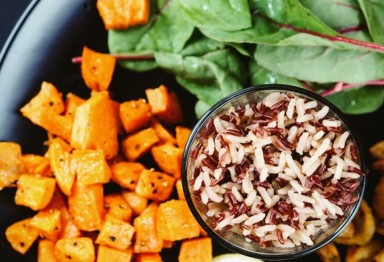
349,29
340,86
307,86
123,57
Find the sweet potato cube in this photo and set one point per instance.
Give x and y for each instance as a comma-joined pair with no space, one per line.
90,167
164,105
107,254
34,191
126,174
117,207
179,189
46,251
57,201
136,202
198,249
11,164
168,158
95,125
139,143
79,249
57,125
175,221
36,164
21,235
147,240
168,244
48,223
97,69
115,233
182,135
163,134
71,103
86,206
68,229
148,257
61,163
135,115
154,185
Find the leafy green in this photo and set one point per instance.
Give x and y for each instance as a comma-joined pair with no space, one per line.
373,11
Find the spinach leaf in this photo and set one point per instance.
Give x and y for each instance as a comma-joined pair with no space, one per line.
321,64
358,100
166,31
373,11
231,15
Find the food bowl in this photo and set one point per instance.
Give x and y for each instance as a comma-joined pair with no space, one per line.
273,172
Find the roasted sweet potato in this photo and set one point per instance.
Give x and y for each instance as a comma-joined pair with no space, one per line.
48,223
136,202
79,249
46,251
182,135
107,254
135,114
11,164
126,174
154,185
97,69
71,103
21,235
163,133
179,189
117,207
378,200
164,105
377,150
168,158
198,249
34,191
95,125
329,253
139,143
115,233
68,228
364,253
35,164
148,257
175,221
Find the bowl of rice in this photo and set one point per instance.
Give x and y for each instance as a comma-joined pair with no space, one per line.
273,172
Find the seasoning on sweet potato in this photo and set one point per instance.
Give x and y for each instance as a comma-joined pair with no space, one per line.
95,125
36,164
147,240
163,134
135,114
86,206
175,221
108,254
11,164
48,223
139,143
46,251
136,202
117,207
115,233
198,249
168,158
80,249
34,191
154,185
126,174
97,69
71,103
21,235
182,135
61,163
179,189
148,257
90,167
164,105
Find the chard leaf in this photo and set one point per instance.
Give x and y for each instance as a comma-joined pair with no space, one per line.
166,31
358,100
231,15
201,108
373,11
201,46
321,64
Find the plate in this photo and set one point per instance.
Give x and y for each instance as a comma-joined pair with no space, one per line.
40,49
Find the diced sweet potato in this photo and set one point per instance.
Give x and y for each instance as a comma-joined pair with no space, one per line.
136,202
139,143
95,126
164,105
36,164
71,103
179,189
182,135
57,125
11,164
115,233
126,174
163,134
168,158
168,244
97,69
135,115
86,206
148,257
57,201
108,254
46,251
117,207
60,160
21,235
90,167
120,14
48,223
34,191
79,249
154,185
68,229
145,225
175,221
198,249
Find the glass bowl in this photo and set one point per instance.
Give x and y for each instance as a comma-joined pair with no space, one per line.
252,239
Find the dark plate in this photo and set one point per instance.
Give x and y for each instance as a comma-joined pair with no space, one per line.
40,49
